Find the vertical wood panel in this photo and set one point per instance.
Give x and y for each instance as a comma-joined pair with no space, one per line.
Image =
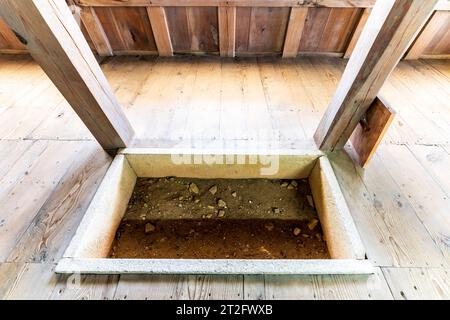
7,38
95,31
128,29
434,38
193,29
337,30
266,29
158,20
294,32
359,28
315,24
227,31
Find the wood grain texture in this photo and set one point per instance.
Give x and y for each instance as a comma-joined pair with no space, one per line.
232,3
366,137
297,19
393,26
8,40
128,29
392,235
158,20
48,26
418,283
261,30
227,31
95,31
193,29
434,39
357,33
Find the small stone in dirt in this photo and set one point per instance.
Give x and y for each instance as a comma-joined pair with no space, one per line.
319,236
269,226
210,207
297,231
294,183
149,228
276,210
313,224
290,187
209,216
310,200
145,205
193,188
284,184
213,189
171,179
234,194
180,198
221,203
221,213
196,200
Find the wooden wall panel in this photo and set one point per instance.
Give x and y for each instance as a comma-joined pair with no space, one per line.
193,29
261,30
8,41
127,28
329,29
440,43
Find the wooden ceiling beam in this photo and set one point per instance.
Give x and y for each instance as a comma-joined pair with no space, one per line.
52,36
390,29
230,3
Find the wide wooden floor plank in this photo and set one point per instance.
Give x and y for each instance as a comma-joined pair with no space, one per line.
418,283
330,287
34,281
179,287
50,231
381,213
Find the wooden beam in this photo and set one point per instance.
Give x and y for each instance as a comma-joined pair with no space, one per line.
96,32
294,32
436,22
389,31
230,3
359,28
441,5
51,35
227,31
369,133
158,20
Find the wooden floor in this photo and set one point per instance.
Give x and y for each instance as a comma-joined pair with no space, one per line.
50,167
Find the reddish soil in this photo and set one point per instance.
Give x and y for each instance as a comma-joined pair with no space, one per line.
220,219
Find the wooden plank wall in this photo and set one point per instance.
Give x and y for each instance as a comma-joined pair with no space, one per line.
259,30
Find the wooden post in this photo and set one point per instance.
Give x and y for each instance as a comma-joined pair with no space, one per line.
294,32
96,32
227,31
52,36
389,31
158,20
